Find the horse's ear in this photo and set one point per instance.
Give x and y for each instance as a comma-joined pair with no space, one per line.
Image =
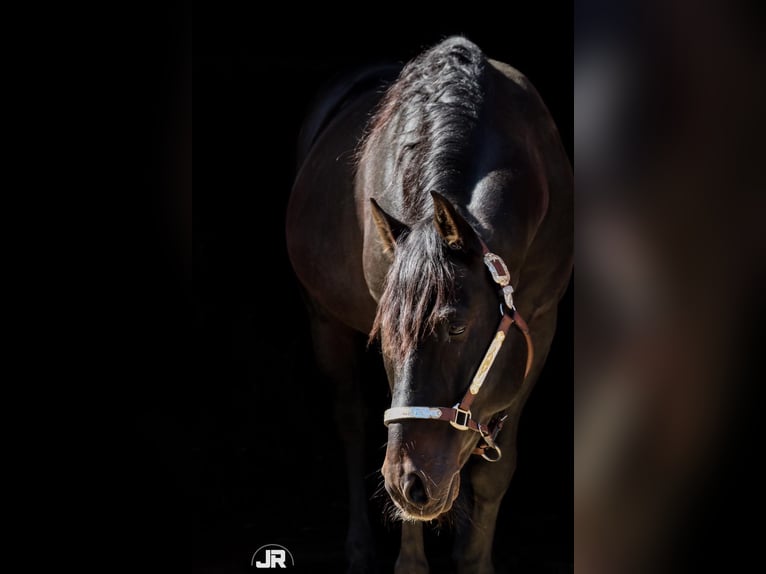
389,228
455,230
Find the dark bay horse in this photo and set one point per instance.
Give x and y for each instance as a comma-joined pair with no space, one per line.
400,197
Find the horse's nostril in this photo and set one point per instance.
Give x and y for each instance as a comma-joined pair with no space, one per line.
414,490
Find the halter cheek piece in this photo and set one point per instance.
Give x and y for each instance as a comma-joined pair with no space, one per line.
459,416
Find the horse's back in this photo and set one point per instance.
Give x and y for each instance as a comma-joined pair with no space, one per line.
324,228
334,95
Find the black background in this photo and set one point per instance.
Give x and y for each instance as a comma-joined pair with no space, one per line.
181,373
266,467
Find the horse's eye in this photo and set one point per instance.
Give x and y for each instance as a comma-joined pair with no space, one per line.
456,329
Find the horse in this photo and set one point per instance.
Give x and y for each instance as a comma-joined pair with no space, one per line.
433,211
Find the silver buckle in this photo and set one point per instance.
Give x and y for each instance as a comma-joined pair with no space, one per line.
508,296
461,418
489,260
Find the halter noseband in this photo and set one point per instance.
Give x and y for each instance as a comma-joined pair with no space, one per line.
459,416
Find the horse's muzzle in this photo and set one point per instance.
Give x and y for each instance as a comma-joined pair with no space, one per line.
418,494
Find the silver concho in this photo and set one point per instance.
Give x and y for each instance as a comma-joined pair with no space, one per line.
489,260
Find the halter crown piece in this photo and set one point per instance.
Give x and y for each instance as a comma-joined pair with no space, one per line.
459,416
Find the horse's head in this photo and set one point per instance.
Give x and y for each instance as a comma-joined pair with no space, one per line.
437,314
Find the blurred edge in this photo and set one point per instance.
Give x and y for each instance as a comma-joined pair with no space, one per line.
670,247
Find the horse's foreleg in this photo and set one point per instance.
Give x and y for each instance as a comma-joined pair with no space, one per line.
488,483
412,554
337,351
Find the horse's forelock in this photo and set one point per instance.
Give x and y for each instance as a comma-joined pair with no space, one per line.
420,284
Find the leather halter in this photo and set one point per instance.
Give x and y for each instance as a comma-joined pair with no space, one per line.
459,416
